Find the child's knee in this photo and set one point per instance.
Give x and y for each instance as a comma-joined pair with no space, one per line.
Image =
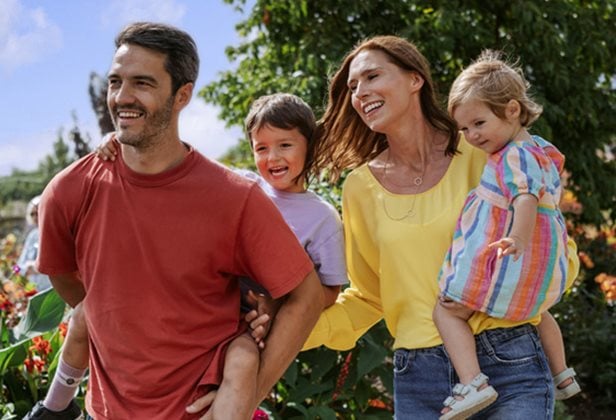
78,328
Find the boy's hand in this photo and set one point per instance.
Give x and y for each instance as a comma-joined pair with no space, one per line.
107,149
260,318
508,246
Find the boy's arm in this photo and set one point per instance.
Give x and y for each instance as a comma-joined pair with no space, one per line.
522,227
69,287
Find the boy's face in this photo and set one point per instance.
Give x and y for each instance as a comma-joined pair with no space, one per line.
280,156
484,129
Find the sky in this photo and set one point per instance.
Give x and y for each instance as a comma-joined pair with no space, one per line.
48,49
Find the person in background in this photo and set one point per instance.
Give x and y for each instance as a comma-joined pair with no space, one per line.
508,258
153,245
412,171
27,258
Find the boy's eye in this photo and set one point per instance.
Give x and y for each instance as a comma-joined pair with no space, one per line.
372,76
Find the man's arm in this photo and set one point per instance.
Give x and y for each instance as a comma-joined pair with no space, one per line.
290,329
69,287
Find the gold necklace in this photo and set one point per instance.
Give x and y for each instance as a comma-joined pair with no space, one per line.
417,182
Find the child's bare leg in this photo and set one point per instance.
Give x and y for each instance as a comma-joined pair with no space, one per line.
458,339
73,363
552,342
236,396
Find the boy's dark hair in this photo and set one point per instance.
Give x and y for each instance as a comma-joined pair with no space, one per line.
182,58
284,111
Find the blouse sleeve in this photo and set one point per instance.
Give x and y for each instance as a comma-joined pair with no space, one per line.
358,307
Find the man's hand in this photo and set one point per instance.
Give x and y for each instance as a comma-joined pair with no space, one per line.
201,404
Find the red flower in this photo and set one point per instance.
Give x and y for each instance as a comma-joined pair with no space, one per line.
41,346
260,415
63,327
31,292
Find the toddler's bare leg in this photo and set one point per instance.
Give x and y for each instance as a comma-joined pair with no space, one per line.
458,339
552,342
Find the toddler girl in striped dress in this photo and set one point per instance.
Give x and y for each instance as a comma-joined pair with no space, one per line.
508,257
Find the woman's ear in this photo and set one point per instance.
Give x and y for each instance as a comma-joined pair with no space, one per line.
416,81
513,109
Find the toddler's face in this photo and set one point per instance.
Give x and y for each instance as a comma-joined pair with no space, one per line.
482,128
280,156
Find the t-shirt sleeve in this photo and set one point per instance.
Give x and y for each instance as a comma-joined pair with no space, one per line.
267,250
57,242
521,173
327,252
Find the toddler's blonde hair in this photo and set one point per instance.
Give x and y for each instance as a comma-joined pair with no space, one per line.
494,82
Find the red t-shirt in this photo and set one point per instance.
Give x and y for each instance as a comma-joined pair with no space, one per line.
159,256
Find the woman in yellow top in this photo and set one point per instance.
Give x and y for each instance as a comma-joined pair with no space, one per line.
400,206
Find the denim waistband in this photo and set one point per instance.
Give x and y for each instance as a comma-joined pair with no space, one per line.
496,334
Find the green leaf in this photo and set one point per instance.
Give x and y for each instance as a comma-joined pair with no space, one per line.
14,355
45,312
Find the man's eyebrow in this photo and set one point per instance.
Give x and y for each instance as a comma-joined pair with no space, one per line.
139,78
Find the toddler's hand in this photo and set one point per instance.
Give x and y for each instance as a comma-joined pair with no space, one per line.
107,149
508,246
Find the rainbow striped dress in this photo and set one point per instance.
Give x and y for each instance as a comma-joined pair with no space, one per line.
501,287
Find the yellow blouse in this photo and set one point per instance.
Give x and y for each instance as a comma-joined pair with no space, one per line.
393,261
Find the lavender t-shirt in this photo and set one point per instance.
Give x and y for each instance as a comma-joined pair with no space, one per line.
316,224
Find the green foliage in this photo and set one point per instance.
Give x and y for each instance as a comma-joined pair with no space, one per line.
587,319
563,45
30,338
325,384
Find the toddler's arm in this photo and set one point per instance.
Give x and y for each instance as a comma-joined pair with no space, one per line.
107,149
524,218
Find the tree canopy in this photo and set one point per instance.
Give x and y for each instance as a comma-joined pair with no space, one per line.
562,45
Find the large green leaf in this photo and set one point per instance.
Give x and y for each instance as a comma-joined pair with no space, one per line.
45,312
13,355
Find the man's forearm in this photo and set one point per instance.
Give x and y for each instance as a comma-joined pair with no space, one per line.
291,327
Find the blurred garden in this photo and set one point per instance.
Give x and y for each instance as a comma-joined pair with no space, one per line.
566,49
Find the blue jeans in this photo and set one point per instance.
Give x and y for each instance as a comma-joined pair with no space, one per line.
511,357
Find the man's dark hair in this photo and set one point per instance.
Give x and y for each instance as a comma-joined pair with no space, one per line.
182,59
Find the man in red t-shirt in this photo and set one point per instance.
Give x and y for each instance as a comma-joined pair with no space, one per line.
153,244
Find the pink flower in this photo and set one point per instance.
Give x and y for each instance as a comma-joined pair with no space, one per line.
260,415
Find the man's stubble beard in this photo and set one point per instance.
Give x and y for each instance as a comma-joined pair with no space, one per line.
150,135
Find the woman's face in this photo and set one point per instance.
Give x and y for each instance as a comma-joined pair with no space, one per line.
381,92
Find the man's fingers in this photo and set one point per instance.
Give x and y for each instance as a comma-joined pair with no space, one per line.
201,403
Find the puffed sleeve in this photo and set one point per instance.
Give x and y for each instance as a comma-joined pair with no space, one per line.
521,173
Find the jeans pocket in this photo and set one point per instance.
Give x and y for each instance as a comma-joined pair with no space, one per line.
513,349
402,361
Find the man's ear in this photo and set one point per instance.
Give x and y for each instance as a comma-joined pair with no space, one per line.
183,95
